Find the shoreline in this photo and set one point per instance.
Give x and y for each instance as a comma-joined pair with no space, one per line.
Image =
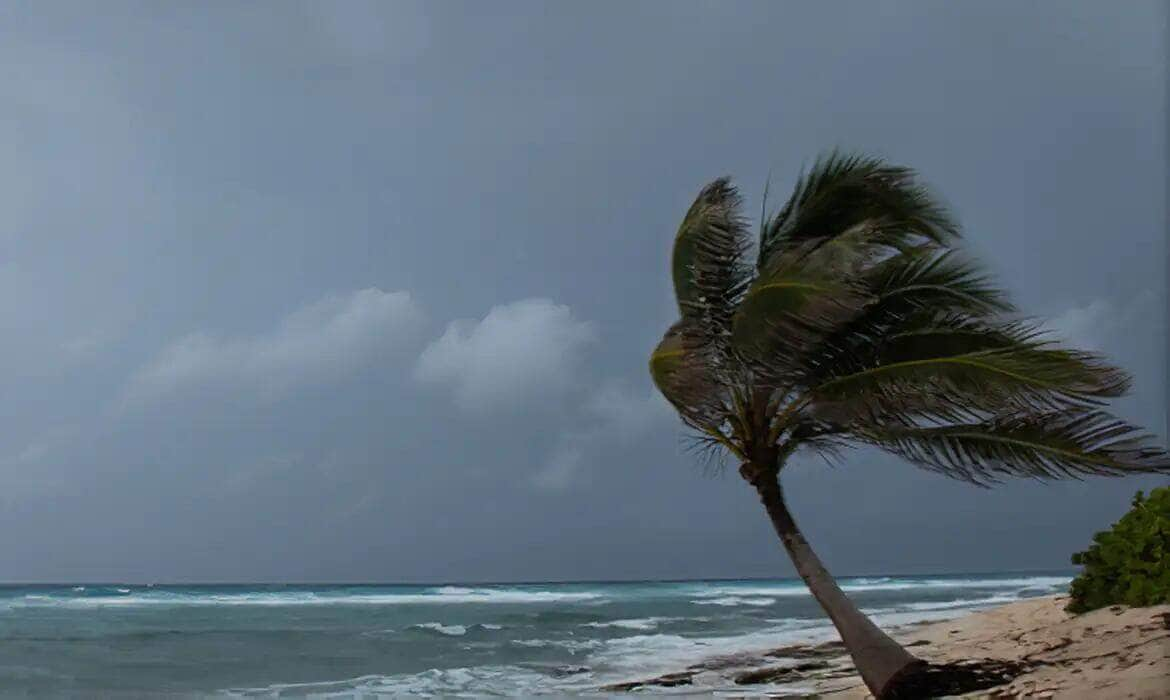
1114,652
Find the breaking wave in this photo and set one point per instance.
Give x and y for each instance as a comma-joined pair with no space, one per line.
446,595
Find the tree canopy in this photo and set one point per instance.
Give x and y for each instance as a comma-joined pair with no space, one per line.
1130,562
855,318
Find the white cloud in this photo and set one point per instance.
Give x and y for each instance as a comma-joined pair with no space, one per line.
322,341
1100,323
534,349
1082,326
525,349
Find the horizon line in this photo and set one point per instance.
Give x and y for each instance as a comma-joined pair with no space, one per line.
8,584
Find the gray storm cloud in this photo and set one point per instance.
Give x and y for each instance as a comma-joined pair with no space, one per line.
365,291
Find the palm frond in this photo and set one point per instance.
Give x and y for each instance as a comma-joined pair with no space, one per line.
687,380
805,294
841,191
924,277
904,289
954,372
710,274
1062,444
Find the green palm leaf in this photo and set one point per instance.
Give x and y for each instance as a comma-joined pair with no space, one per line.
927,278
1045,446
806,293
941,372
709,271
840,192
686,379
903,290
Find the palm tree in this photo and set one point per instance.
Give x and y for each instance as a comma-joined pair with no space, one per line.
860,323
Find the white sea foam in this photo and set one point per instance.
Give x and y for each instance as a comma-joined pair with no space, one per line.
500,595
650,654
962,603
571,645
885,583
608,661
439,596
728,595
719,594
646,652
1035,582
643,623
466,682
733,600
764,590
646,623
640,655
449,630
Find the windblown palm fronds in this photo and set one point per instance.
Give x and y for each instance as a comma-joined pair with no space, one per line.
862,319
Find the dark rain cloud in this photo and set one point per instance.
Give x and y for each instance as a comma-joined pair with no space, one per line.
364,290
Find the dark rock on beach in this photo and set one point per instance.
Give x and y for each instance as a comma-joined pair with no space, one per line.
670,680
780,674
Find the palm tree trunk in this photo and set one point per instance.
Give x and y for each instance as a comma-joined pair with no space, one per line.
878,658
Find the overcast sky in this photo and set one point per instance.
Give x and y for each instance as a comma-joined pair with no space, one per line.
365,290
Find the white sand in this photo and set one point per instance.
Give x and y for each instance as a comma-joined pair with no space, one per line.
1105,654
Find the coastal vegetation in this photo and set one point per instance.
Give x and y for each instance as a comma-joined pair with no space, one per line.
855,319
1128,564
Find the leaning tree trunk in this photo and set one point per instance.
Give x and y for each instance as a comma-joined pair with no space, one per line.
879,659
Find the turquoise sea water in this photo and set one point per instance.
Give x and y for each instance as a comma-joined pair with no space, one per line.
389,640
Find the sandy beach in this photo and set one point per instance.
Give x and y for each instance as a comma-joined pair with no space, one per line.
1110,653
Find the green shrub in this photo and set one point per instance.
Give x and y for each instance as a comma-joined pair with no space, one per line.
1128,564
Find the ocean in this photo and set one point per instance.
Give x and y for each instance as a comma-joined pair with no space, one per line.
437,640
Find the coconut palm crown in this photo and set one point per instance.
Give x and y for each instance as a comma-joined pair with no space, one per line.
857,320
